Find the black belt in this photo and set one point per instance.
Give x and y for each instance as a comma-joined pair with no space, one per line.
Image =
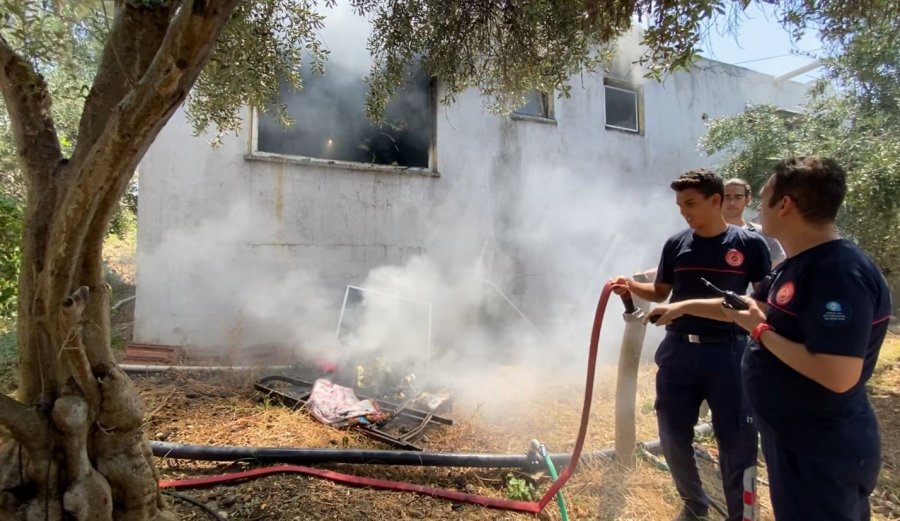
711,339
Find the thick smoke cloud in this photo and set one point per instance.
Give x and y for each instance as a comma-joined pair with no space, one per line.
453,316
329,112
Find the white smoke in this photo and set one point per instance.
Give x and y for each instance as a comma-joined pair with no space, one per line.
520,295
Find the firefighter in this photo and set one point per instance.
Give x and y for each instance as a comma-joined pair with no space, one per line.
699,358
817,326
737,198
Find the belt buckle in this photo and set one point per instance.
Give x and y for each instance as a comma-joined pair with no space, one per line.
694,339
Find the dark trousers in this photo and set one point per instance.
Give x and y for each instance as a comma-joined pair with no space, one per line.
688,374
824,487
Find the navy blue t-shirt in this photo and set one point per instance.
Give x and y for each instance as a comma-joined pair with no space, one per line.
834,300
730,260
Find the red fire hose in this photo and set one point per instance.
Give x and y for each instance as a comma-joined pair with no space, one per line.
359,481
503,504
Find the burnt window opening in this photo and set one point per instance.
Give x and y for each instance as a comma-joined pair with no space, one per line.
330,121
622,107
538,104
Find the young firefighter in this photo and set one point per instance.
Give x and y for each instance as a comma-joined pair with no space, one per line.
737,197
699,358
818,328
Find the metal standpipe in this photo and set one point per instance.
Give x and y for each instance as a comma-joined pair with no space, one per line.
626,380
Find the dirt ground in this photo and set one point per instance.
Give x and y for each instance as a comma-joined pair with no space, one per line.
223,409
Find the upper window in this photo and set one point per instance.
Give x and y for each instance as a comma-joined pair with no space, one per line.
622,106
537,105
329,121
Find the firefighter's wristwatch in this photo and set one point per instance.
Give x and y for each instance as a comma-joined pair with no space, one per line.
759,330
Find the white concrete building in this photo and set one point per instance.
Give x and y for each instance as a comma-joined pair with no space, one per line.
552,205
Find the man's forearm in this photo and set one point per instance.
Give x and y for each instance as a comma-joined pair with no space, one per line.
834,372
646,291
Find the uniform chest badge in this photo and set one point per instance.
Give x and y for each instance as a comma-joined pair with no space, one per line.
785,294
734,258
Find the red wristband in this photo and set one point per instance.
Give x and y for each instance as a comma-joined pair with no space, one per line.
759,330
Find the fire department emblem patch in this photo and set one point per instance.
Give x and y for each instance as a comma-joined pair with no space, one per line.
734,258
785,294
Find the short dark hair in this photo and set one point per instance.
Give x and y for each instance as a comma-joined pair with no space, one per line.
705,181
737,181
816,184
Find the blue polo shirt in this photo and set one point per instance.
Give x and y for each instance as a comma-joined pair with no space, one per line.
730,260
833,300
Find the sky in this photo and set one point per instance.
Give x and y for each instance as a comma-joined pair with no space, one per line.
763,45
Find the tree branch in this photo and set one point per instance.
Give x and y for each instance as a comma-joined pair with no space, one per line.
132,43
34,134
133,125
96,333
28,104
25,423
72,350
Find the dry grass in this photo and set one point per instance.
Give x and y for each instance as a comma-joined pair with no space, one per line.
890,350
225,410
884,393
119,255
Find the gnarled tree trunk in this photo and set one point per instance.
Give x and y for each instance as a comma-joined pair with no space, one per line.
71,441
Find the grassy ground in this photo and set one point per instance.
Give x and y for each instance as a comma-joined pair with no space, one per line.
225,410
195,411
884,393
192,409
890,352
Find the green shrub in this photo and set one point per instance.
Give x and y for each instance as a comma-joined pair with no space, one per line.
11,215
8,361
520,489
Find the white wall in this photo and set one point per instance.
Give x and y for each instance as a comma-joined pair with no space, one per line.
558,207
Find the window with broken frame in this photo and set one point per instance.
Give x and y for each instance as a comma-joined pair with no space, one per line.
328,122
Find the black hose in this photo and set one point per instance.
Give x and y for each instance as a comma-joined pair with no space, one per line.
297,456
628,302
